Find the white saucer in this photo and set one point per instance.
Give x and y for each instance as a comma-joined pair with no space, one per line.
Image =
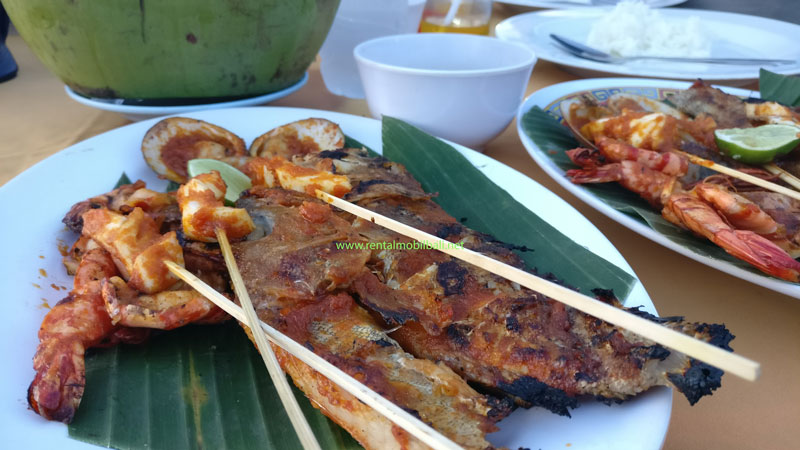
557,4
732,36
137,113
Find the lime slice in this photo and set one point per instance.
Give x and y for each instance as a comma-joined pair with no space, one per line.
233,177
758,145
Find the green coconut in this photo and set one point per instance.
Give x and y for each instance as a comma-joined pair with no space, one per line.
176,49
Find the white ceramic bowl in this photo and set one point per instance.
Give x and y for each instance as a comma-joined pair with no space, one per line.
460,87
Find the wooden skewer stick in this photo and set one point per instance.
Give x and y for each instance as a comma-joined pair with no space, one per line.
740,175
703,351
783,175
394,413
296,416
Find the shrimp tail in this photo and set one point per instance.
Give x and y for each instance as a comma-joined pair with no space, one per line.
773,259
586,157
605,174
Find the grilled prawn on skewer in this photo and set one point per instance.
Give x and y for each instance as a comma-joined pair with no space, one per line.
708,210
688,211
76,323
121,290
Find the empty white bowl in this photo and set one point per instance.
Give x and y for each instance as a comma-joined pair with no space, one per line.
460,87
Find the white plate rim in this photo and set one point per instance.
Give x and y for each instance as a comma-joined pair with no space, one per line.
649,412
180,109
556,4
550,52
545,96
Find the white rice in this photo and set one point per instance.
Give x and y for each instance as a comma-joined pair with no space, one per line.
632,28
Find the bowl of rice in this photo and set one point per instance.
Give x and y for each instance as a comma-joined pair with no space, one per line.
634,29
631,29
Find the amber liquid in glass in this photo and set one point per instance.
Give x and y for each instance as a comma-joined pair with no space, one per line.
428,27
472,16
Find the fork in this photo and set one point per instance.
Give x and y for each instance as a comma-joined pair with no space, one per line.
592,54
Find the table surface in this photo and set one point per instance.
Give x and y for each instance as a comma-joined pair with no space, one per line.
37,119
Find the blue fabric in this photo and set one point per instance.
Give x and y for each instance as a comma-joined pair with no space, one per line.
8,67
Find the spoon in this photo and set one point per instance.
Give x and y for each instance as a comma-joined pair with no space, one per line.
586,52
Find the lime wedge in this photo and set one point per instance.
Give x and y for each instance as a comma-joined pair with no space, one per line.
233,177
758,145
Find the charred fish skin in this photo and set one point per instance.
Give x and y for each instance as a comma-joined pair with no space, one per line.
371,176
632,365
505,333
295,277
694,379
544,354
728,111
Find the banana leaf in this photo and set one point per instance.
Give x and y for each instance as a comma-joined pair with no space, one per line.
467,194
203,387
554,139
779,88
197,387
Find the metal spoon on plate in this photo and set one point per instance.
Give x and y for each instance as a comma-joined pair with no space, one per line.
584,51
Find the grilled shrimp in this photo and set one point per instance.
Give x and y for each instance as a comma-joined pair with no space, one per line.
652,185
612,150
164,310
688,211
740,212
75,324
727,219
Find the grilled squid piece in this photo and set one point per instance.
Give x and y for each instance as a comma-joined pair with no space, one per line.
771,112
299,138
203,210
278,172
654,131
172,142
137,247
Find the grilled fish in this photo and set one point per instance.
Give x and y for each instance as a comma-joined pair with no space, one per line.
499,335
728,111
295,273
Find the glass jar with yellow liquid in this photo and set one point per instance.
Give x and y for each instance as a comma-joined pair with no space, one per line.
456,16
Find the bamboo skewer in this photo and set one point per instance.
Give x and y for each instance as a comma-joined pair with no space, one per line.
394,413
740,175
783,175
296,416
680,342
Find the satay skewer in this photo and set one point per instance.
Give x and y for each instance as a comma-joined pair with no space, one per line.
296,416
783,174
740,175
394,413
695,348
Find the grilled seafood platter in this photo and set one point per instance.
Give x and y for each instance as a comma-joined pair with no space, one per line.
645,145
456,346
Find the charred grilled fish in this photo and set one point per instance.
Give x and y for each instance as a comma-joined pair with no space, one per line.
295,274
493,332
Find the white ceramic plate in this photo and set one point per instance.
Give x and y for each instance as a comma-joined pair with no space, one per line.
137,113
732,35
556,4
38,198
546,99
